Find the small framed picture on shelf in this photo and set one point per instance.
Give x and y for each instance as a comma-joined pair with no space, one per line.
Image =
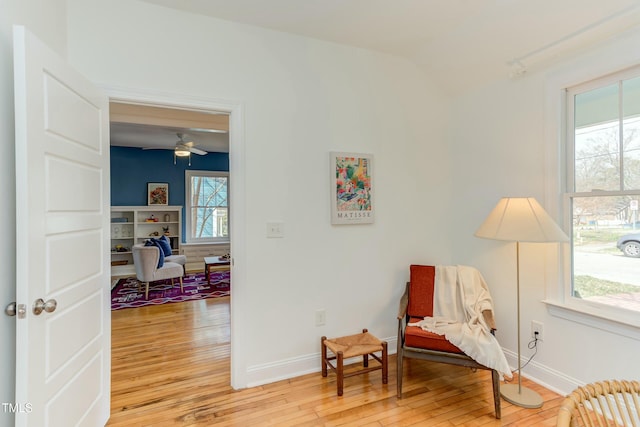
157,193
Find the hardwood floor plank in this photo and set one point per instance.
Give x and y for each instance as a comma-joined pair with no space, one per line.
170,367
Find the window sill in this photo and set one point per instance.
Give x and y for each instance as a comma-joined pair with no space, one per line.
216,243
605,320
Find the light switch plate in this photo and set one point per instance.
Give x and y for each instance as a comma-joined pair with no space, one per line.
275,229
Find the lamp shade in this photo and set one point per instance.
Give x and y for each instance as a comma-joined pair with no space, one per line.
520,219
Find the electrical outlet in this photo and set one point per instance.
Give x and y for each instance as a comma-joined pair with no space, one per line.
321,317
537,330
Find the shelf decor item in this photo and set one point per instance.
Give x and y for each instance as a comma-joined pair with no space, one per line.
351,188
157,193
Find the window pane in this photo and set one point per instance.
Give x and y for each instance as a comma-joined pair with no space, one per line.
601,271
597,140
209,222
209,191
631,133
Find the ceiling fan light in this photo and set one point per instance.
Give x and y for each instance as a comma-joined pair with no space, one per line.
182,152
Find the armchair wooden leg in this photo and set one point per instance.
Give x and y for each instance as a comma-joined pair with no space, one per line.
399,370
495,379
146,290
181,290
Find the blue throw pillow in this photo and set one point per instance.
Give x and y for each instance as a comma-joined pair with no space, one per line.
161,258
166,245
156,243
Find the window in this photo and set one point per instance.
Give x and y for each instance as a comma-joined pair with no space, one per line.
207,206
602,192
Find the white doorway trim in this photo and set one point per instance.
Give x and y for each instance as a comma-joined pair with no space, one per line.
237,199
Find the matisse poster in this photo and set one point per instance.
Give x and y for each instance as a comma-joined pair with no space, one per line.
351,188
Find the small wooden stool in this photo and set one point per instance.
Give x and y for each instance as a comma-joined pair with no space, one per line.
363,344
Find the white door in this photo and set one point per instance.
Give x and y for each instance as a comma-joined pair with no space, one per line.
62,214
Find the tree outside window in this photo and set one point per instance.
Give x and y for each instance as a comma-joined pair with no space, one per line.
207,207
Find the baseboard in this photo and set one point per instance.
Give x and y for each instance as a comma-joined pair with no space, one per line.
296,366
540,374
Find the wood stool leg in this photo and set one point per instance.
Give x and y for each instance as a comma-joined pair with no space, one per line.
365,357
340,371
323,356
384,363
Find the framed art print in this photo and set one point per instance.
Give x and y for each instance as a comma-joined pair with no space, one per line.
351,188
157,193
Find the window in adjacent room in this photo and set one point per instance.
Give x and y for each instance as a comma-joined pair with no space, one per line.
207,206
603,192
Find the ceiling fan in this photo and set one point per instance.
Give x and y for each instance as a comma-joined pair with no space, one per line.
185,148
182,148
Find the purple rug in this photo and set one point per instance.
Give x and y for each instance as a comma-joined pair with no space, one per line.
125,294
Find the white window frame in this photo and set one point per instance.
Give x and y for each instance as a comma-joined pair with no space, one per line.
188,174
560,300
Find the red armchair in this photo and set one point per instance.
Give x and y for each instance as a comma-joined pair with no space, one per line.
414,342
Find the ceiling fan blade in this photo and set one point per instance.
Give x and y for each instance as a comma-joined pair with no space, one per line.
195,150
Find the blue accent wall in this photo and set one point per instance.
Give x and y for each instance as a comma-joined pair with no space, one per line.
133,168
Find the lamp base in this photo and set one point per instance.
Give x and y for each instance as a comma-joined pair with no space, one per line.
520,396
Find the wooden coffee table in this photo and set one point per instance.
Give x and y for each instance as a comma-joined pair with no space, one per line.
215,263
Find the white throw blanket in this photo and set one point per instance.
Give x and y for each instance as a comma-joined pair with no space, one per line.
462,322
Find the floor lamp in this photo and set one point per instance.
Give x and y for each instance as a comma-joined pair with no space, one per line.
520,219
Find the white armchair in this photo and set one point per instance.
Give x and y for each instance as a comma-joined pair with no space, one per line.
145,260
178,259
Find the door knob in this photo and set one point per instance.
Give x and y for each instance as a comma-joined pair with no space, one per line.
40,305
10,309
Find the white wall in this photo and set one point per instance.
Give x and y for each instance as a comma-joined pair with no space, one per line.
301,98
46,19
508,147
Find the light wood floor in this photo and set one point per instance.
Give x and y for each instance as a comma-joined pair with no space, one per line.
170,366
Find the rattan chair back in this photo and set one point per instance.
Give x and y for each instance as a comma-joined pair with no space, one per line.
610,403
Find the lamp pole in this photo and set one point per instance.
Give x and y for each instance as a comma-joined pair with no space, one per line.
518,311
519,396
